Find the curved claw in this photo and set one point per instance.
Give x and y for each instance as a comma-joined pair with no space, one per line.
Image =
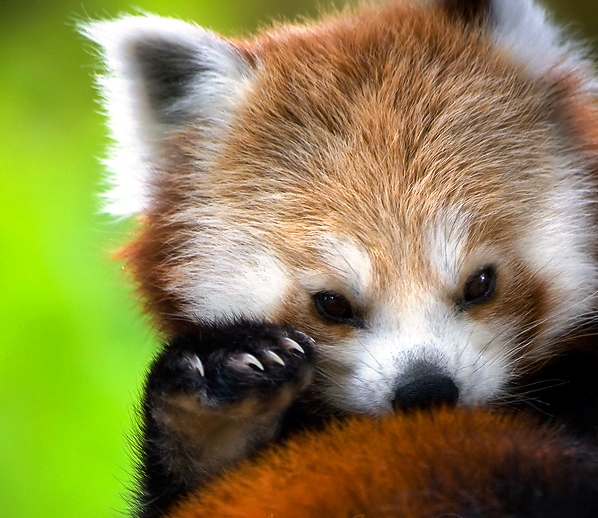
307,338
271,355
290,344
196,363
246,360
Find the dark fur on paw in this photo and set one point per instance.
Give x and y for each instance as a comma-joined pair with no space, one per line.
224,365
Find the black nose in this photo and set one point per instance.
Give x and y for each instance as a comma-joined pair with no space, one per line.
425,386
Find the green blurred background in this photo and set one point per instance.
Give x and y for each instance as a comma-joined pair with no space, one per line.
73,344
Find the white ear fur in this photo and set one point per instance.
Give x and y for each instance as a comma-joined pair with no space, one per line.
523,28
161,75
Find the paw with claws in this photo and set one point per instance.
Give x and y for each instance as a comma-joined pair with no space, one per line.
213,396
256,367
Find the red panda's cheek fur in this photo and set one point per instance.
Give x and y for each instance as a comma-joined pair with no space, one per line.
519,306
149,259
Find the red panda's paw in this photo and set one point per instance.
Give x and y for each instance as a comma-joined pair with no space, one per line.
212,396
247,368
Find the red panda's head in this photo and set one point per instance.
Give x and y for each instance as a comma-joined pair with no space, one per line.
409,184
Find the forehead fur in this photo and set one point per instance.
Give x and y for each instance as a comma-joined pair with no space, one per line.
382,121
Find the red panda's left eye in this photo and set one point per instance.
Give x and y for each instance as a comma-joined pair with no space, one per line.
333,307
480,286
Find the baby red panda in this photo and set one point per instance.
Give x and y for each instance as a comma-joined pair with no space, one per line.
389,209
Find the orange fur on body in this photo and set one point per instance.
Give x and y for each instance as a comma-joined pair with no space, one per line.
446,463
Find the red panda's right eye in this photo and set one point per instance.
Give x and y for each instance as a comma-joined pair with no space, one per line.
334,307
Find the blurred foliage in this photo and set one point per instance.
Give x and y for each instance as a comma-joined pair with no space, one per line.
73,346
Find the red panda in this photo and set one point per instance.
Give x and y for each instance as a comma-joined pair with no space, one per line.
391,208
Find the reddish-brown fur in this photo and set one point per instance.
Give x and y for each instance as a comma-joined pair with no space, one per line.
418,466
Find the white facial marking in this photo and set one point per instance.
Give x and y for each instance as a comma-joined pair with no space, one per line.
367,369
346,268
560,248
230,280
446,240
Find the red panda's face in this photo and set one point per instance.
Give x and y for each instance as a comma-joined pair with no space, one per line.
409,192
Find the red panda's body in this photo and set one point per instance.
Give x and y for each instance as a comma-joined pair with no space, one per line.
392,208
467,464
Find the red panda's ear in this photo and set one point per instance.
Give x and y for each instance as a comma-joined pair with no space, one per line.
161,75
523,31
471,11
